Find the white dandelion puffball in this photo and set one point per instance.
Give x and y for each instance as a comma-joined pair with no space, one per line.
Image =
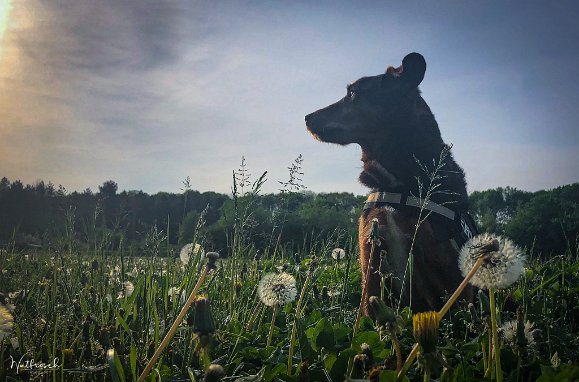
509,332
6,322
129,288
189,251
175,295
277,289
503,266
338,254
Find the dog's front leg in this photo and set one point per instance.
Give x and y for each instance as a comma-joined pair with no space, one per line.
369,264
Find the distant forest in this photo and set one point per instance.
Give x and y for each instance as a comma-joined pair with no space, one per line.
45,216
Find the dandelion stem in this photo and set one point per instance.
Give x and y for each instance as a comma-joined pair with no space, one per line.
396,344
519,364
408,362
461,287
484,355
495,334
426,377
175,325
442,312
490,361
271,325
382,287
294,326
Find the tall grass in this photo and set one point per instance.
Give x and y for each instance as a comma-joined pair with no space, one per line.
77,304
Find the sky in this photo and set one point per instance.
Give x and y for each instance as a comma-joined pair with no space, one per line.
147,93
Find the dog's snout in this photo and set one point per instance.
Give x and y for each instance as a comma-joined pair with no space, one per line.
312,119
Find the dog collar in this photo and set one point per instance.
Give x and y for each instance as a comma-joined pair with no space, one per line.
377,198
460,229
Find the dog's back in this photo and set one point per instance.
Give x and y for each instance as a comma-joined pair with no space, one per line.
401,143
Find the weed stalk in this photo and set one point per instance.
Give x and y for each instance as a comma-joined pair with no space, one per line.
175,325
298,315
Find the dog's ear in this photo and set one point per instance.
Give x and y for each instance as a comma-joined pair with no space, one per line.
413,68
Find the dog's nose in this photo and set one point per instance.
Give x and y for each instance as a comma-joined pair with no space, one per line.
309,117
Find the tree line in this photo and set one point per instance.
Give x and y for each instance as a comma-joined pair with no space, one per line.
42,215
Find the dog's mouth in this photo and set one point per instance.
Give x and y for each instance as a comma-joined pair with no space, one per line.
329,133
315,135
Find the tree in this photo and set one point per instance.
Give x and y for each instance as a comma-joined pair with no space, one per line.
549,222
493,209
4,184
108,189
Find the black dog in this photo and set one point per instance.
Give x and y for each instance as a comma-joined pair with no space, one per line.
399,137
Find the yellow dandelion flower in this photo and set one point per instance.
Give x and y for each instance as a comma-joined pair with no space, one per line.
426,326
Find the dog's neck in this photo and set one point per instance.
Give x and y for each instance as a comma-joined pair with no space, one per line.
394,160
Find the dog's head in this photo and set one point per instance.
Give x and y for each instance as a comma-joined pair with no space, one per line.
371,105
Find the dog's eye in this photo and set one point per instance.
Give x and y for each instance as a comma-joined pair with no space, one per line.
351,95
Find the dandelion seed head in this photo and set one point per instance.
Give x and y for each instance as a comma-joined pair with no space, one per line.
111,355
152,325
189,251
134,273
174,294
277,289
333,293
128,288
509,333
502,266
338,254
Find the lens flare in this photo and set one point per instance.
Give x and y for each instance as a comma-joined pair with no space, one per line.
5,7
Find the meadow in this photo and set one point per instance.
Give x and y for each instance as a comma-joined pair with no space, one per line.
74,311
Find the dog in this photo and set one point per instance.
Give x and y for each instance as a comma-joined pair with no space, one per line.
400,140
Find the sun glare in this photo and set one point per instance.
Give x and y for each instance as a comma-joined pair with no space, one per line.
5,7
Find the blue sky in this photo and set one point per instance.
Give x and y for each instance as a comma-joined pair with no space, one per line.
147,93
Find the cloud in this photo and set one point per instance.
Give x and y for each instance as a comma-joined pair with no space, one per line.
148,92
73,75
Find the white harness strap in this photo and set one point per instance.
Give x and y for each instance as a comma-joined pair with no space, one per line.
395,198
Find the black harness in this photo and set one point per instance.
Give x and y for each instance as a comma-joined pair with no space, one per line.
447,224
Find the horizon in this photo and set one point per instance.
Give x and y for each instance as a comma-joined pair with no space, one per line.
182,191
148,94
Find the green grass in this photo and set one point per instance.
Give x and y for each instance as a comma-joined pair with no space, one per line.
62,310
88,314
